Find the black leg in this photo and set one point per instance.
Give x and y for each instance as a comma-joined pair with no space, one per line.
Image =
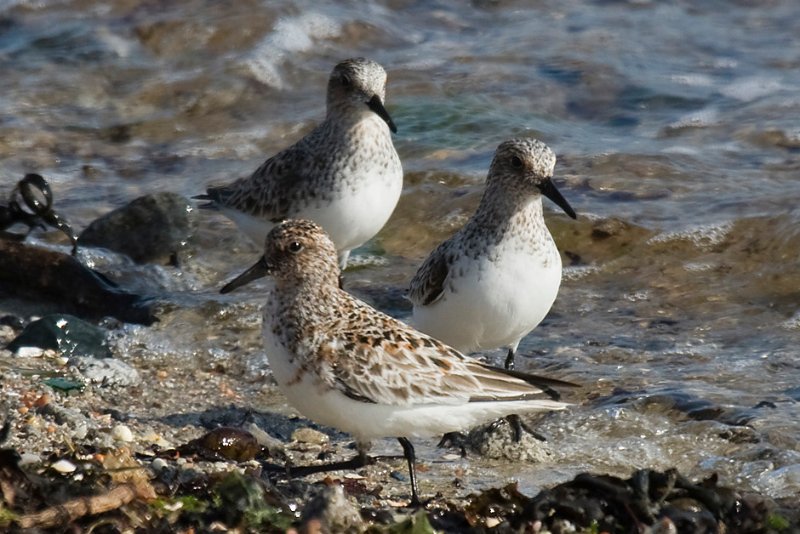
516,426
454,439
408,451
341,281
510,360
357,462
519,426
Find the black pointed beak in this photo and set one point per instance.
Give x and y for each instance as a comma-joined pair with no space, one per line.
376,105
549,190
259,270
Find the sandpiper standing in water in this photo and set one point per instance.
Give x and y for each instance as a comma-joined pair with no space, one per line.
492,282
345,174
345,364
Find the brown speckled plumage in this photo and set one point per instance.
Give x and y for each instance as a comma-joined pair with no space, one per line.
351,346
344,364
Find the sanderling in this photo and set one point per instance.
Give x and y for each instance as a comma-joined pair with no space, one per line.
345,364
496,278
345,175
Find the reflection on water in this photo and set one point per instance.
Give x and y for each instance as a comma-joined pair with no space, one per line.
675,127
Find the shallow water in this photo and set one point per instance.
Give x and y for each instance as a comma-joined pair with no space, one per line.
678,144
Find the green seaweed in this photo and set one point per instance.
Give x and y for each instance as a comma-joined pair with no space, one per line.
244,501
777,522
7,517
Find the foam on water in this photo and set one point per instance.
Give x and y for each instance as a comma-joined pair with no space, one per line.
290,35
752,88
697,119
705,236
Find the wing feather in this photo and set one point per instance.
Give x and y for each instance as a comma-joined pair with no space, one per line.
376,358
428,283
269,191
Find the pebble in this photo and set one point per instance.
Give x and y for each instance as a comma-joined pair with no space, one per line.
224,443
122,433
310,436
107,371
491,522
6,332
80,431
29,352
275,447
64,466
28,458
158,464
157,439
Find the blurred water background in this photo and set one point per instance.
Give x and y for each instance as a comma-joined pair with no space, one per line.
675,124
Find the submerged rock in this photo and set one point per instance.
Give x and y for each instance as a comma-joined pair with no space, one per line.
150,228
32,272
500,440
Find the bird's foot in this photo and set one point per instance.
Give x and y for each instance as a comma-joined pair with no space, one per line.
518,426
454,440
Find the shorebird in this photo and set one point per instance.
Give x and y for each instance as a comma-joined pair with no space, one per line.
344,364
345,174
494,281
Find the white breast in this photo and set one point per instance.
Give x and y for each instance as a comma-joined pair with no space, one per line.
489,304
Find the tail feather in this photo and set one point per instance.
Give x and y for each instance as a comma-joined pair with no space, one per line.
542,382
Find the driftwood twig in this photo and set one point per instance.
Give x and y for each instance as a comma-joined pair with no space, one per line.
71,510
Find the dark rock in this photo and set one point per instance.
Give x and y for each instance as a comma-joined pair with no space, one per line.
65,333
647,499
17,323
42,274
150,228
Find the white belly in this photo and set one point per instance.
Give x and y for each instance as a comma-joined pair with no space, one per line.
356,215
351,219
494,304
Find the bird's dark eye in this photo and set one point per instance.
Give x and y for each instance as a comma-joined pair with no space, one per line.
295,247
346,81
516,162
